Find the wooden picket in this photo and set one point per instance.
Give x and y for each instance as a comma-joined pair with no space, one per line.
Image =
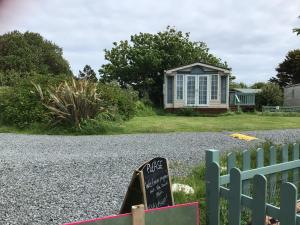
246,166
235,186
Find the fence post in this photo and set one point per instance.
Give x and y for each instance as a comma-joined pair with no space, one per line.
259,157
296,157
231,157
273,177
246,166
234,199
288,201
259,200
285,158
212,178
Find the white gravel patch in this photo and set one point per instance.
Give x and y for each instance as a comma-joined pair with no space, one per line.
57,179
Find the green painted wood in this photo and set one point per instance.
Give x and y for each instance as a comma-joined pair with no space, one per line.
285,158
174,216
116,221
259,200
234,200
246,166
231,158
288,201
259,157
271,210
295,157
185,215
264,171
212,155
212,186
272,177
212,194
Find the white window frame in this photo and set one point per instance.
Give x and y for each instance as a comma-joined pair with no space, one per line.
197,77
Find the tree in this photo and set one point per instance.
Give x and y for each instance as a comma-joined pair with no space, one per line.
30,52
141,62
288,72
270,95
88,74
297,30
258,85
237,85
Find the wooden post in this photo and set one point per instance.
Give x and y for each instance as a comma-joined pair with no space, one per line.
138,215
288,201
259,200
212,179
234,199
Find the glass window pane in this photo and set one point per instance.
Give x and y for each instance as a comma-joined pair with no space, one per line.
214,87
179,86
202,90
170,89
191,83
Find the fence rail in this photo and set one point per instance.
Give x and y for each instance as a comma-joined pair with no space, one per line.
242,99
281,108
234,186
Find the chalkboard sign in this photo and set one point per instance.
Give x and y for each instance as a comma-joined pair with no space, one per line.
157,183
150,185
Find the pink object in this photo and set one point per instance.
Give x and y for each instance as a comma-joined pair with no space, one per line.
148,210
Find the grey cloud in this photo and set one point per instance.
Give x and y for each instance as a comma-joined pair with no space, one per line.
252,36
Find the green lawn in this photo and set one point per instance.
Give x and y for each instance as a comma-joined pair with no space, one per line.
240,122
173,123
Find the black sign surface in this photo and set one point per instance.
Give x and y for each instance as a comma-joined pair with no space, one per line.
157,183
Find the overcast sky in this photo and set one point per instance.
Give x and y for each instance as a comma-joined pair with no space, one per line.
252,36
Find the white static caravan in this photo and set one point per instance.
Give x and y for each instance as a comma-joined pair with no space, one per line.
199,86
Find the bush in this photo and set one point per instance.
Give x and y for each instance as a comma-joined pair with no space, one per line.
187,112
99,125
72,102
143,109
124,100
270,95
20,105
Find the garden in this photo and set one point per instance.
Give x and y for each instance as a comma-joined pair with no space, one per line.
39,94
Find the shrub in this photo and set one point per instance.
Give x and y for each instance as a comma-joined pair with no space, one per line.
20,105
122,99
270,95
143,109
189,112
72,102
99,125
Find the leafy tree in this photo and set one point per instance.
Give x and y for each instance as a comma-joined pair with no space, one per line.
288,72
88,74
237,85
30,52
258,85
141,62
270,95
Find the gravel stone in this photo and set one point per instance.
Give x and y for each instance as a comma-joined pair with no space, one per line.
58,179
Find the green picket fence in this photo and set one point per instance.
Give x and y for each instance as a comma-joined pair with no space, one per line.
235,186
281,108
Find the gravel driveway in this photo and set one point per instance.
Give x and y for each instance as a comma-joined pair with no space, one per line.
57,179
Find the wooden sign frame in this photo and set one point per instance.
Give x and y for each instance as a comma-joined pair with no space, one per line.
141,198
182,214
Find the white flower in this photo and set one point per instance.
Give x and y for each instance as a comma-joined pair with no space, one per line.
182,188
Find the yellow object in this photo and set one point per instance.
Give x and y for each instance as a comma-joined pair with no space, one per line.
243,137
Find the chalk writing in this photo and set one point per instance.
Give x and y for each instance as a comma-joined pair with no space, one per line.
157,185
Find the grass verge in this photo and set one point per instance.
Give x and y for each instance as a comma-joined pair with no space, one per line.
169,123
